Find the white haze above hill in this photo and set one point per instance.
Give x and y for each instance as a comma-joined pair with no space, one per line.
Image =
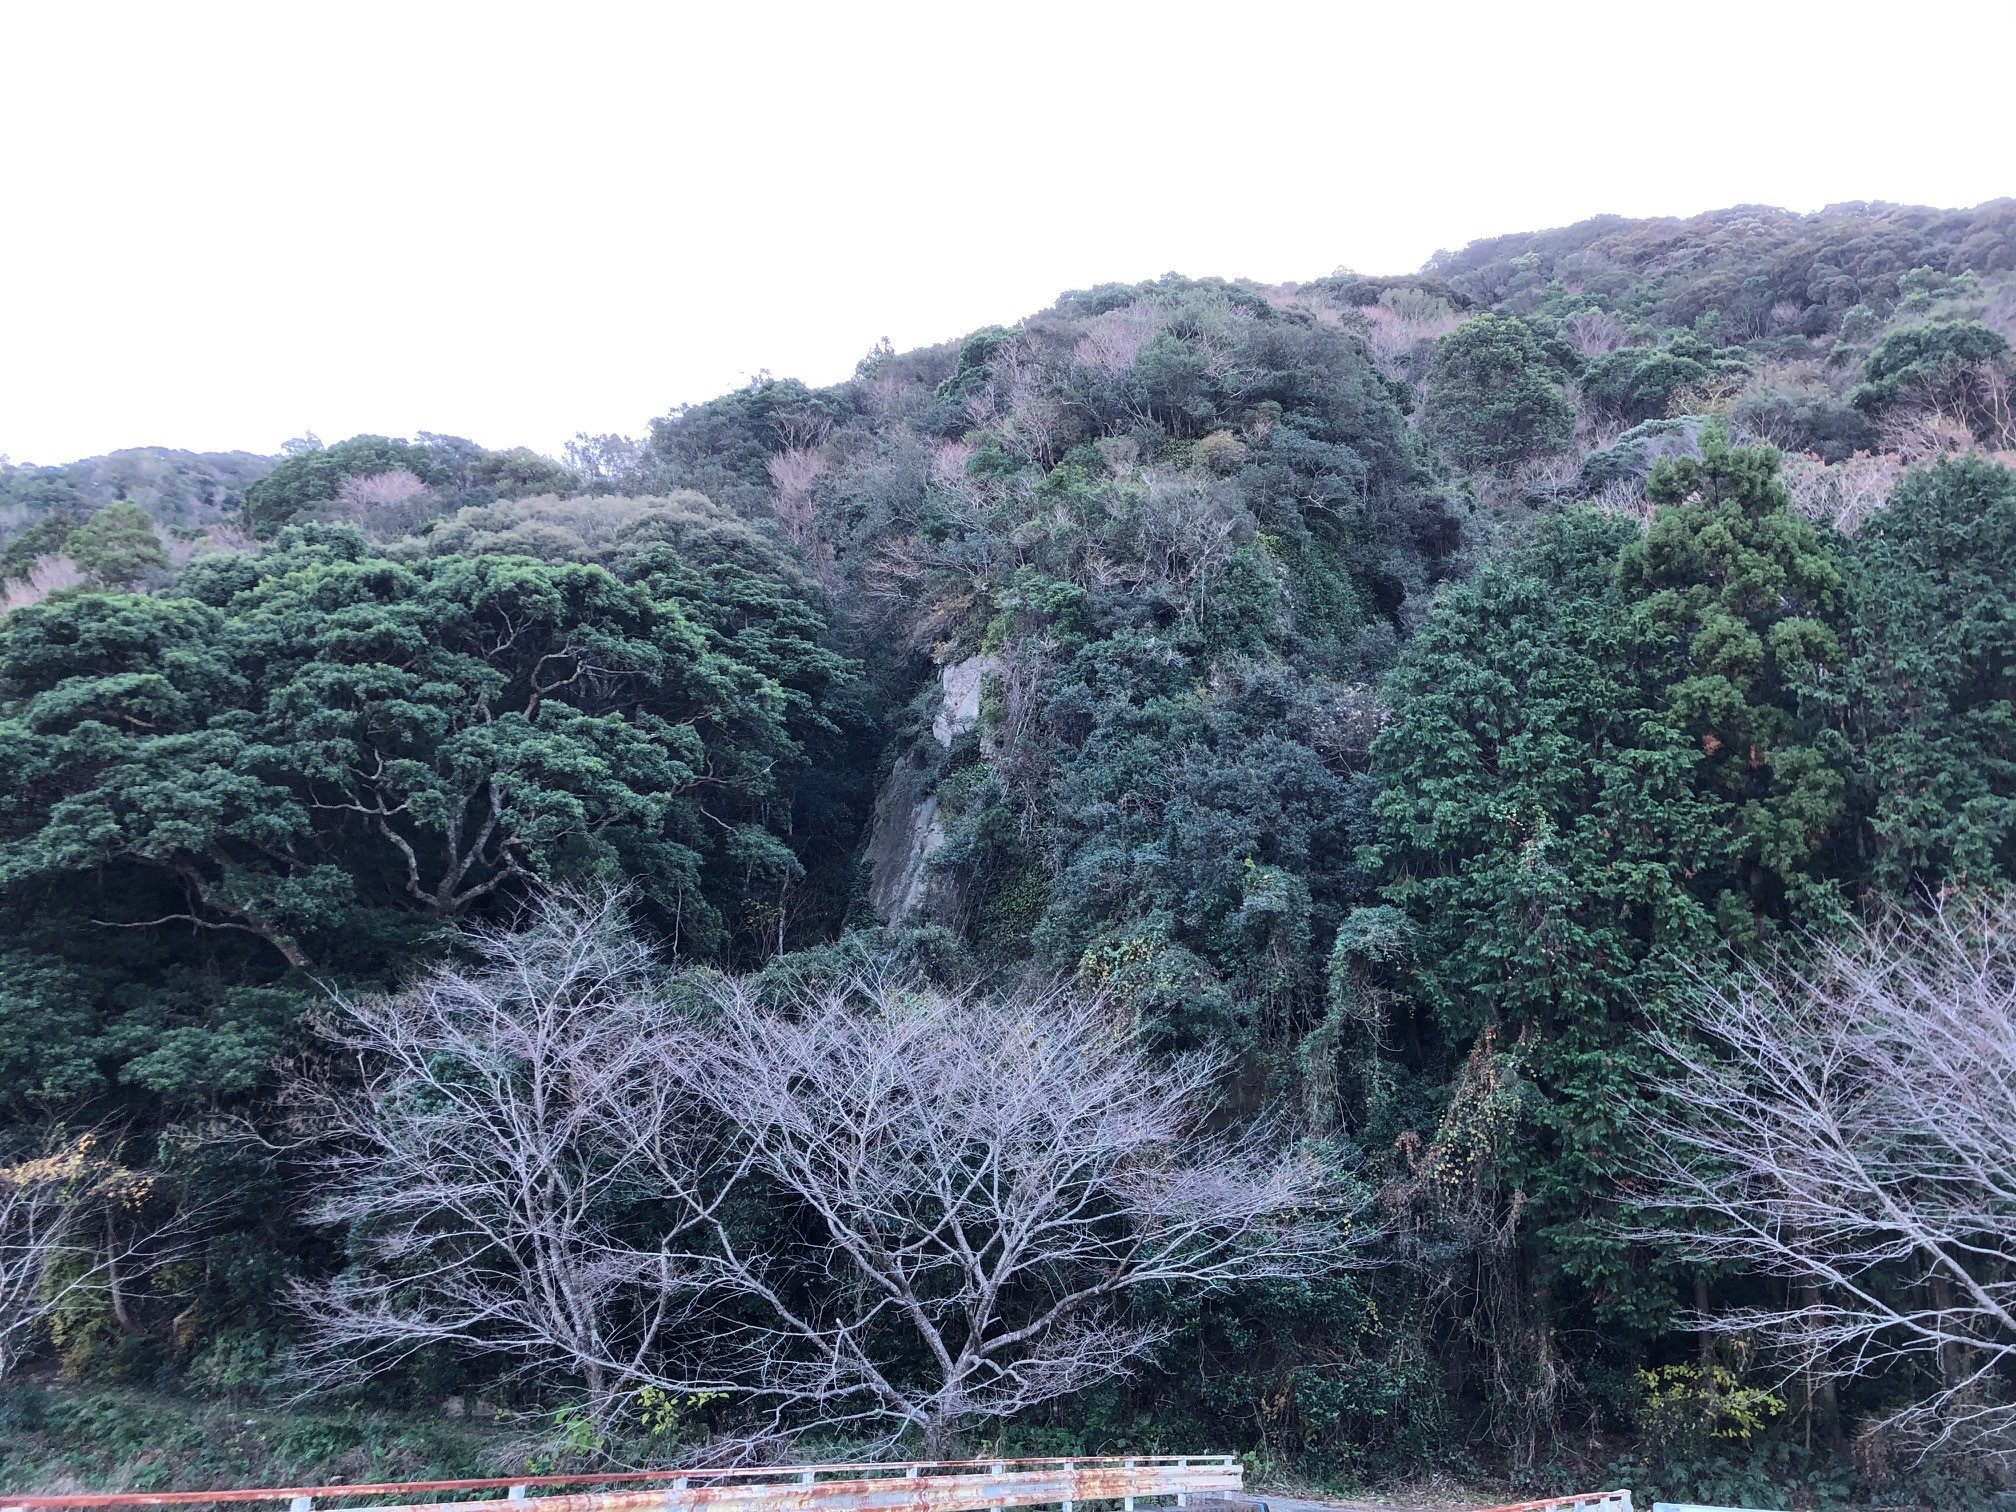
229,224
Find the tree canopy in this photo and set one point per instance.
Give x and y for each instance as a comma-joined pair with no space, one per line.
1412,697
319,754
1495,394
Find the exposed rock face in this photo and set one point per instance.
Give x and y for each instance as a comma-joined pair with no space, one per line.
906,832
901,884
961,683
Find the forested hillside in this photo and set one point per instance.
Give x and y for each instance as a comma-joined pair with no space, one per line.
1370,786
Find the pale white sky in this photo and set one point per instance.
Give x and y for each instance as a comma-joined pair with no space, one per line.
227,224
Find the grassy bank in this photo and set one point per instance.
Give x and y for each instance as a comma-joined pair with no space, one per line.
55,1439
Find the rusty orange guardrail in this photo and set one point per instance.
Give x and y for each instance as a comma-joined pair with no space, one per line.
1586,1501
913,1486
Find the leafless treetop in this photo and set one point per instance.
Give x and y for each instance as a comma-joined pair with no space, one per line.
984,1181
1850,1126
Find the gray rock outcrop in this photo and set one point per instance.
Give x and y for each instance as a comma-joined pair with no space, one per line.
901,883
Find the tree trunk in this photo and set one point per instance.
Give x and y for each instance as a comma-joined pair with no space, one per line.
115,1290
1707,1339
601,1407
1952,1366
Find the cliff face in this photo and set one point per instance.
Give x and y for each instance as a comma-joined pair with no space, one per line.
906,832
960,684
902,885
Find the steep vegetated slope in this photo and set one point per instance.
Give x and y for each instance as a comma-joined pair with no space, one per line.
1411,688
1150,548
1801,328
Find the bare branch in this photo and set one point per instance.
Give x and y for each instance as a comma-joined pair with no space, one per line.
982,1184
1853,1130
69,1223
871,1208
508,1119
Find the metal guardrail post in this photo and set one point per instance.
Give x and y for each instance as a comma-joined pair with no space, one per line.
1127,1503
1070,1470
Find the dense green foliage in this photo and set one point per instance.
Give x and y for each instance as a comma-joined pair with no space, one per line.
1727,271
1606,755
1930,686
1943,364
1924,355
302,762
117,547
1410,687
1179,533
1638,383
1494,394
177,488
314,476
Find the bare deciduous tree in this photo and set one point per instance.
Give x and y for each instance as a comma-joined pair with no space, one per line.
1188,531
978,1187
1851,1129
1113,340
503,1124
1844,493
1595,332
72,1219
1402,328
1036,417
37,1227
602,462
1920,434
868,1207
50,574
384,504
793,475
